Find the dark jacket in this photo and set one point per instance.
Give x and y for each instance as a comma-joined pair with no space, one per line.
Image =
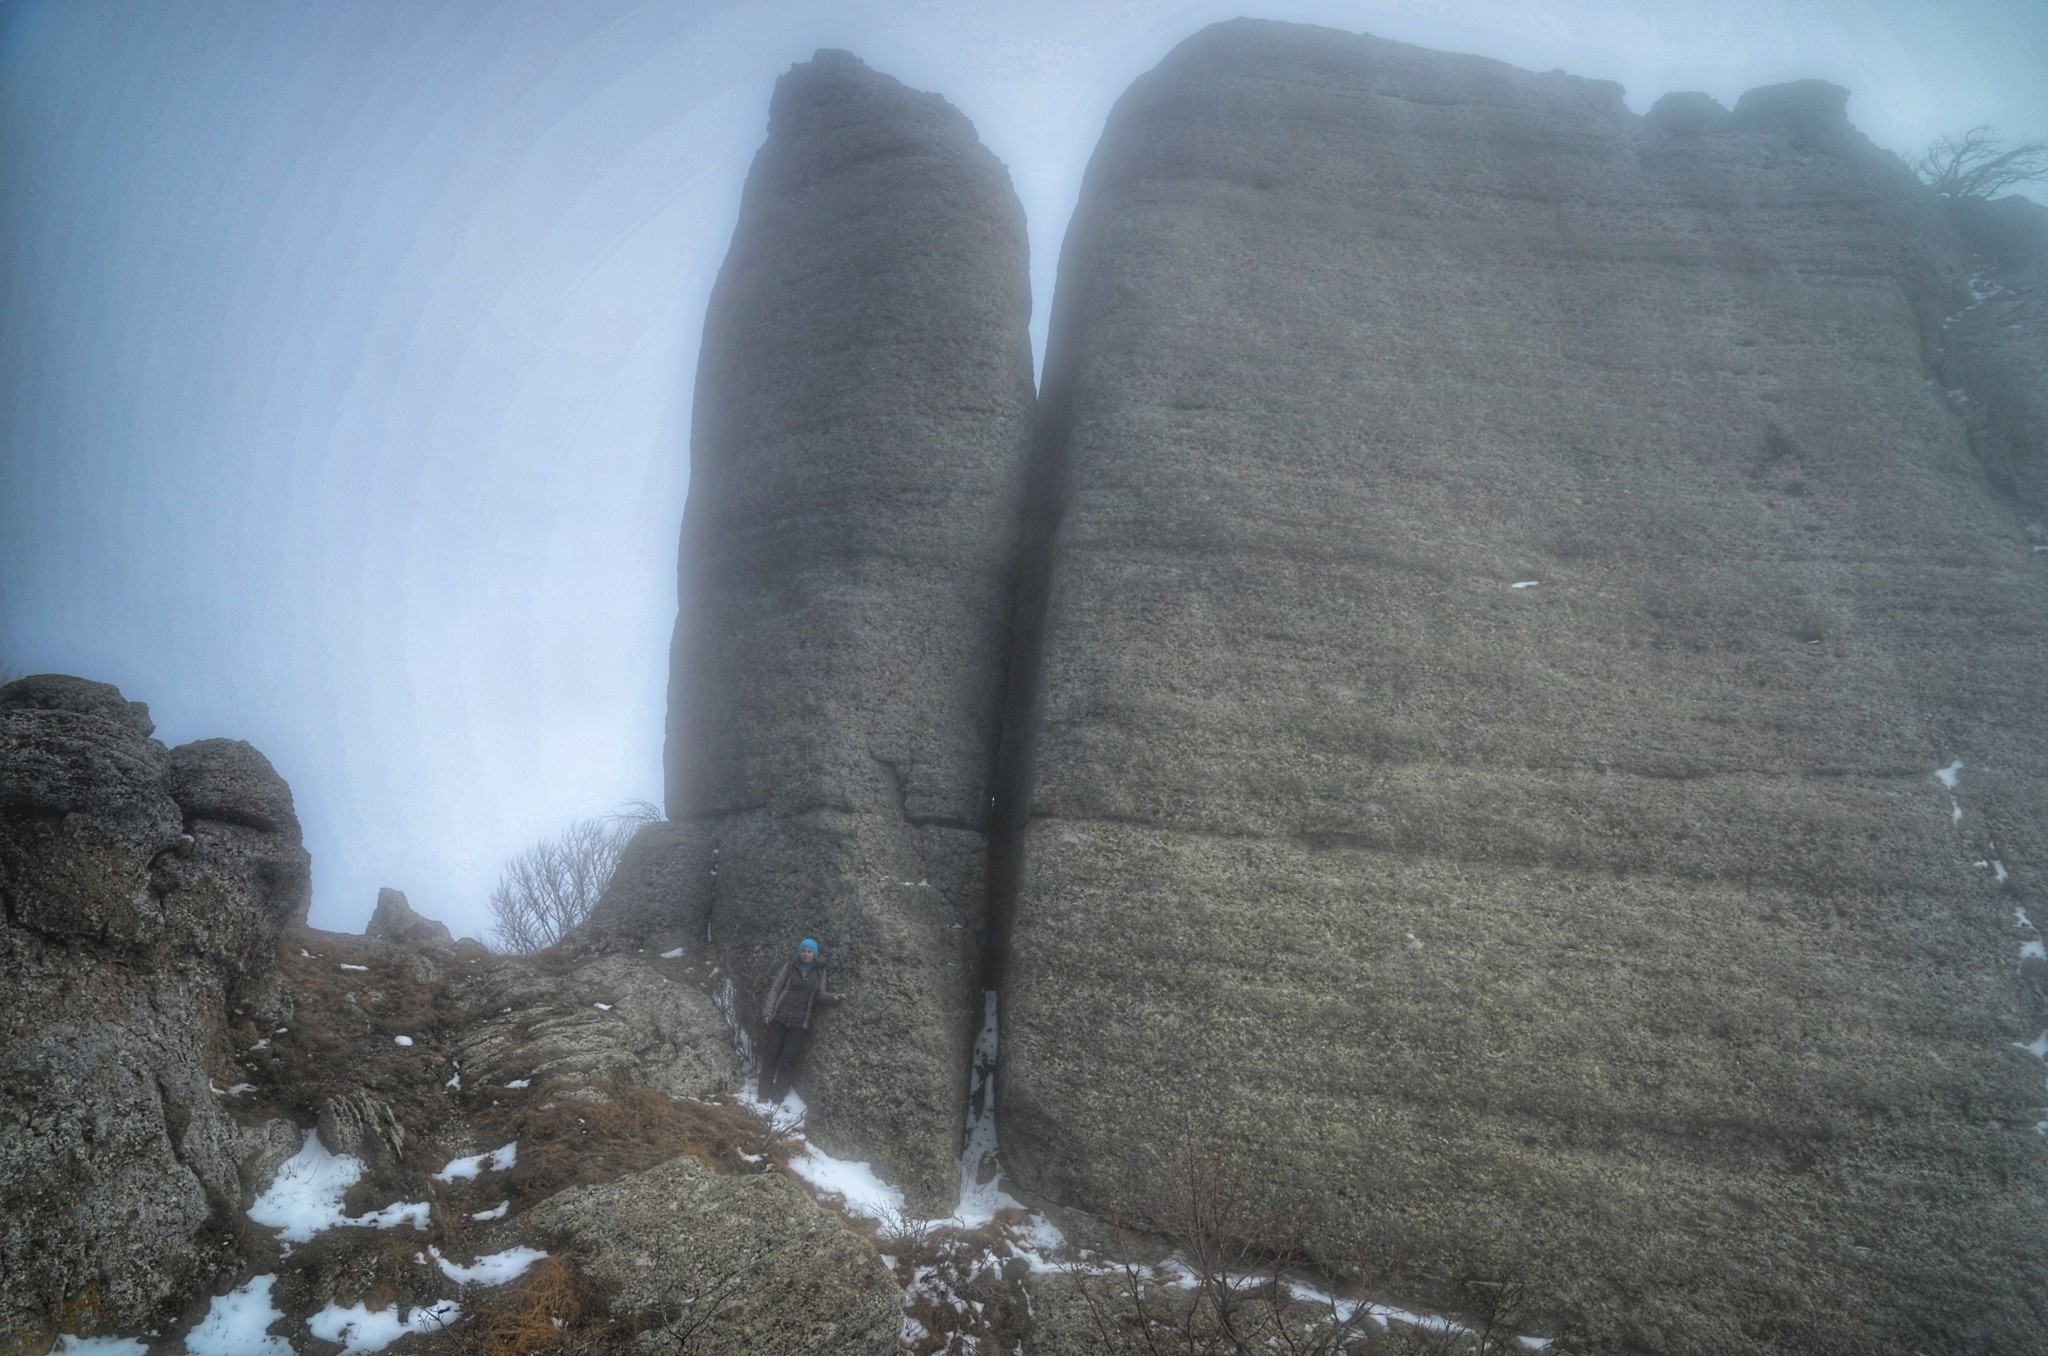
798,991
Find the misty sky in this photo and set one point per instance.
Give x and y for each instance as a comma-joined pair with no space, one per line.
346,347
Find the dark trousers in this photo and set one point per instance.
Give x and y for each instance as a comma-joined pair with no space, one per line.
782,1049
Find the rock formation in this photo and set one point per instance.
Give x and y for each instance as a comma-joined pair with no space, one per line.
1515,586
862,417
1497,580
394,920
144,890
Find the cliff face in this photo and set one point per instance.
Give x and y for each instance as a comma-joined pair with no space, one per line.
144,892
1519,724
863,414
1516,586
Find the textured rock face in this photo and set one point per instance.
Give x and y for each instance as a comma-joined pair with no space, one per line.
144,891
679,1236
1516,586
862,418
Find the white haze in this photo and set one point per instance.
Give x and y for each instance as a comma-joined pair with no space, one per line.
348,347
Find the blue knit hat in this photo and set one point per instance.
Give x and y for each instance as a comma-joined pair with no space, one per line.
808,942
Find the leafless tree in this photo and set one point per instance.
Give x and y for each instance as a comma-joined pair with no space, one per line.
1980,165
553,885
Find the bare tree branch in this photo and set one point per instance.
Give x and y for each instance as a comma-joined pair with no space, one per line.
553,885
1980,165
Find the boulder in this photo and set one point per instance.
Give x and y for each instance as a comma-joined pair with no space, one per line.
393,920
1514,591
862,424
776,1272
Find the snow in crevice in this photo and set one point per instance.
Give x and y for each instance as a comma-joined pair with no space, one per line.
304,1199
495,1269
500,1159
361,1328
238,1324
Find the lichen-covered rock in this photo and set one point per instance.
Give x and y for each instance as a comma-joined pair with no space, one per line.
1516,587
660,893
613,1019
780,1274
393,920
230,781
132,927
861,429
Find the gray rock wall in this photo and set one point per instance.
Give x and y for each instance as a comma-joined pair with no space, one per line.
143,892
1517,585
862,415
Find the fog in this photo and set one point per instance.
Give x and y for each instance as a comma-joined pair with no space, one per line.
348,347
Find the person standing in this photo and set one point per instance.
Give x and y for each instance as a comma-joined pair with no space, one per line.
786,1018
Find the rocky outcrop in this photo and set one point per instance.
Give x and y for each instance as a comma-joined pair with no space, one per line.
144,890
862,417
1994,349
609,1020
393,920
1516,584
727,1264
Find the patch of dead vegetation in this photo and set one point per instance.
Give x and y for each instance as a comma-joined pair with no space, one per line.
571,1137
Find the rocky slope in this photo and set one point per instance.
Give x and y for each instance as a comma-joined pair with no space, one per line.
862,417
1515,587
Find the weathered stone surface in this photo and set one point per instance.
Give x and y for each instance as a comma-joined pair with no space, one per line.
651,1030
861,426
229,780
131,926
783,1273
394,920
363,1126
660,893
1611,929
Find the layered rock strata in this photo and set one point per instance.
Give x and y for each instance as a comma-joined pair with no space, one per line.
144,889
862,415
1516,585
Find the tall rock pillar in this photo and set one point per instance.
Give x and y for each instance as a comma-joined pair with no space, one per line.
863,414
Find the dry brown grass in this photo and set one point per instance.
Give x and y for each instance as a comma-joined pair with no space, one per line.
557,1312
568,1141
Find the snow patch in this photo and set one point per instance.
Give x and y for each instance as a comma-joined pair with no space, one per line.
602,1007
672,955
496,1269
2037,1047
498,1211
238,1324
355,969
1525,583
361,1328
520,1083
495,1160
1947,775
865,1195
304,1198
401,1040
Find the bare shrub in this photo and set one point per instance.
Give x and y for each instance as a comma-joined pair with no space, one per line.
553,885
1978,164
